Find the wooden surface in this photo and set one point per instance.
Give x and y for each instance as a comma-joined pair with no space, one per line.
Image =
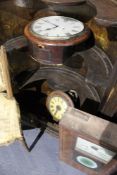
6,74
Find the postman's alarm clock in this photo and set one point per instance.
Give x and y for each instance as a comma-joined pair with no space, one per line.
52,39
57,103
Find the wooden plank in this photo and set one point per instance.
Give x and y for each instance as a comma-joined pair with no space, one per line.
5,69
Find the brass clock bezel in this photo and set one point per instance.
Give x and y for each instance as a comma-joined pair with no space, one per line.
61,95
64,2
78,38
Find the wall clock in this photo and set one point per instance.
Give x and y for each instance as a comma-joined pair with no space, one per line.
53,38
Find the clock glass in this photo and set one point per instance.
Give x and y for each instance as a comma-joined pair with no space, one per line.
56,27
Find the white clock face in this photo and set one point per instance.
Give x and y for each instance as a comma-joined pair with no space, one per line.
56,27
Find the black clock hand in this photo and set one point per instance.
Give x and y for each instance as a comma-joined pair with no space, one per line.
50,23
51,28
58,108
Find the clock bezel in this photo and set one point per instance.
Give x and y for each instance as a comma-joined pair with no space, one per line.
64,2
63,96
77,38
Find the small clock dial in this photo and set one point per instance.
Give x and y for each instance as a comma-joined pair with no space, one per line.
56,27
57,107
57,104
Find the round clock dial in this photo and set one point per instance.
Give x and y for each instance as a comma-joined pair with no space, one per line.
57,27
63,1
57,103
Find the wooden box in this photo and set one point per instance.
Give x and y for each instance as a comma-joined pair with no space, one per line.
88,143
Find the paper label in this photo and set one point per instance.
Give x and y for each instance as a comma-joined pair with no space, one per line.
100,153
